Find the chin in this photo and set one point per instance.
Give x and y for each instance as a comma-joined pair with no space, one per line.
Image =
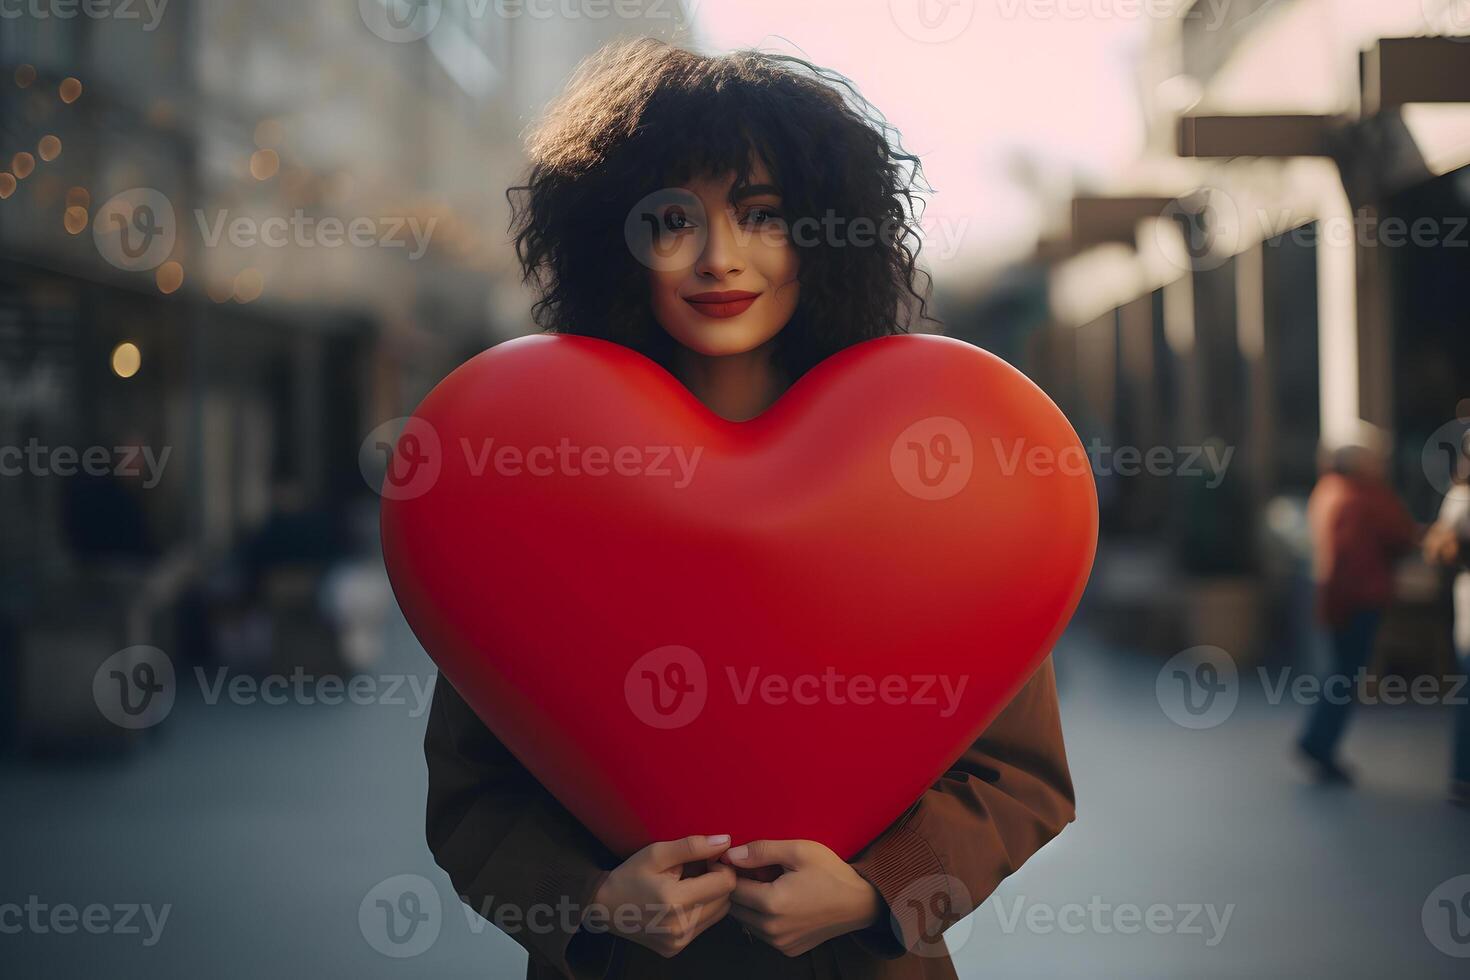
723,338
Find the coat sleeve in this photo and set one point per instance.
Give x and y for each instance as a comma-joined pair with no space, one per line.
514,854
1009,794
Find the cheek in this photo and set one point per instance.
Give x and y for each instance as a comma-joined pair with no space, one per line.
780,264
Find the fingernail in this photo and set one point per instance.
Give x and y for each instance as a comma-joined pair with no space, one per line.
739,853
718,838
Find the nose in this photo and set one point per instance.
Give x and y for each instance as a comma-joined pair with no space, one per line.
722,256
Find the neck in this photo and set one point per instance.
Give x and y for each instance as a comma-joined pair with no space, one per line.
736,387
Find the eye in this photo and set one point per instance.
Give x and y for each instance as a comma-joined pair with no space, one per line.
760,214
675,218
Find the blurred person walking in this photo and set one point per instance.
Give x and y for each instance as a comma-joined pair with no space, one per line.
1359,529
1447,544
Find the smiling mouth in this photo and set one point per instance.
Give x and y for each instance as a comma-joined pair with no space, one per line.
722,305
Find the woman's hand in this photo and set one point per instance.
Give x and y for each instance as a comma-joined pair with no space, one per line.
648,900
816,897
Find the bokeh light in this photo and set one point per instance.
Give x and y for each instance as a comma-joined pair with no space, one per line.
75,220
249,284
71,90
264,164
127,359
169,277
49,148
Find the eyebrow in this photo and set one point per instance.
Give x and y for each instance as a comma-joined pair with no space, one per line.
753,190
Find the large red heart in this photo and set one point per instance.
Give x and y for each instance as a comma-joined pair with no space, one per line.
788,631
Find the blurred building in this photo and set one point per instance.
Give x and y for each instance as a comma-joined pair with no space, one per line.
252,345
1288,255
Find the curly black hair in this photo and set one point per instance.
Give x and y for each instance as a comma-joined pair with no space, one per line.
640,116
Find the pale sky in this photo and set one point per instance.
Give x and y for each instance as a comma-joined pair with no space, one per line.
1051,78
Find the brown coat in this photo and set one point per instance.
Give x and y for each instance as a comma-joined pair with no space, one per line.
510,847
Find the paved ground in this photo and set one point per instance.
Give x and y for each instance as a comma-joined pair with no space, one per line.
263,828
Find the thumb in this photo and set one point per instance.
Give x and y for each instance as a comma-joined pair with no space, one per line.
761,853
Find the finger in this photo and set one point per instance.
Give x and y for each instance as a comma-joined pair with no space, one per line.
757,895
708,887
668,854
789,854
711,913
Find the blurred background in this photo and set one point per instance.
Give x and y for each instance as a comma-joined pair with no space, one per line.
1228,237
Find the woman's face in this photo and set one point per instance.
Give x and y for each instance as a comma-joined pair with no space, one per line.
722,269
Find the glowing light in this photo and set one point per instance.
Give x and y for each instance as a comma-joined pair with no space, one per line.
221,290
264,164
22,164
70,90
78,197
126,359
25,75
249,284
75,220
170,276
7,184
49,148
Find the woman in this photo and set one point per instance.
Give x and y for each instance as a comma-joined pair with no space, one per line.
737,219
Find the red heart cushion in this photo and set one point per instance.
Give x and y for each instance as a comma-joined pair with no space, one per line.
782,628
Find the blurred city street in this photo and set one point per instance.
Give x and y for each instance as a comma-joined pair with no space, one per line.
264,827
242,241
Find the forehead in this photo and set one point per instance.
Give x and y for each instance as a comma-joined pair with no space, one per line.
724,183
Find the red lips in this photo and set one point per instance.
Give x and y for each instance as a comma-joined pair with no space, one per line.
723,303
